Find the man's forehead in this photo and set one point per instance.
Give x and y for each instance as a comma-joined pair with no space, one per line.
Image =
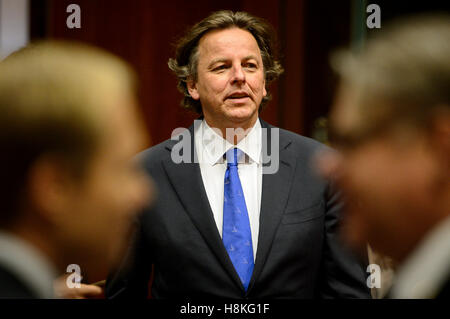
226,41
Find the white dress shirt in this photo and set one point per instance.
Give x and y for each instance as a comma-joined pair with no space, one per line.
28,264
210,148
428,267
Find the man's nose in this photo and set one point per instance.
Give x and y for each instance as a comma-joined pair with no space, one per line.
238,75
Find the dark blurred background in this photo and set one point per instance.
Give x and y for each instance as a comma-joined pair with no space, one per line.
143,32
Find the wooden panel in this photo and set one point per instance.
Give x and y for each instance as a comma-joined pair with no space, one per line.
143,32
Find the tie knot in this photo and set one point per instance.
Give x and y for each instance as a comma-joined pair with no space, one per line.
233,155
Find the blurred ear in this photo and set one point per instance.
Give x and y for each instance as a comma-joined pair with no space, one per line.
192,88
264,88
50,186
440,135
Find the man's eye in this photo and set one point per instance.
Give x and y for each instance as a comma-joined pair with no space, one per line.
220,67
250,65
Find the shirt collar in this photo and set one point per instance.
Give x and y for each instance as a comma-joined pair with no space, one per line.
427,267
28,264
215,146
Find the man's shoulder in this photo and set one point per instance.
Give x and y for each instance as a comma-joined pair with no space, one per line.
12,287
301,140
162,150
156,152
299,143
295,142
444,292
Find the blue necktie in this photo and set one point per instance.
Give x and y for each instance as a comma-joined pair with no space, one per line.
236,236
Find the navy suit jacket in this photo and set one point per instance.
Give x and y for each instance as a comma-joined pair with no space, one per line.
299,254
13,287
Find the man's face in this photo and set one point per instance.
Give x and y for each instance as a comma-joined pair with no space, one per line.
101,208
230,83
388,182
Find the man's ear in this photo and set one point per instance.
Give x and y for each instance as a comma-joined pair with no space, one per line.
264,89
50,185
440,134
192,88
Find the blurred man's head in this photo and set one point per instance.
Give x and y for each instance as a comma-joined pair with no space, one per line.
68,132
391,124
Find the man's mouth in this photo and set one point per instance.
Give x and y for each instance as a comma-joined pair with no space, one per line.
238,96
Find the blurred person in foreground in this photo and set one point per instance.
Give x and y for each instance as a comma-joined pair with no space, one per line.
69,188
391,126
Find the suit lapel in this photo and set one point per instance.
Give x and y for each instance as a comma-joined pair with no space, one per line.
275,191
195,201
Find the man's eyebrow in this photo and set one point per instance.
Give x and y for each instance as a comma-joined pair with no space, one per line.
223,60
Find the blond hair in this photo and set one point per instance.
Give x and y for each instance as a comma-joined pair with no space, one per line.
52,97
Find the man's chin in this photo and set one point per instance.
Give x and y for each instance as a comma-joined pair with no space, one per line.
241,115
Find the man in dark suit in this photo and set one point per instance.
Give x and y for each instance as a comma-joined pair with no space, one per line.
240,212
392,126
67,178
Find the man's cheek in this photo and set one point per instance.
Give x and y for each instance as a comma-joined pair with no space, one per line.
354,229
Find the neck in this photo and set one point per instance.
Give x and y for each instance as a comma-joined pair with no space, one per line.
233,132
